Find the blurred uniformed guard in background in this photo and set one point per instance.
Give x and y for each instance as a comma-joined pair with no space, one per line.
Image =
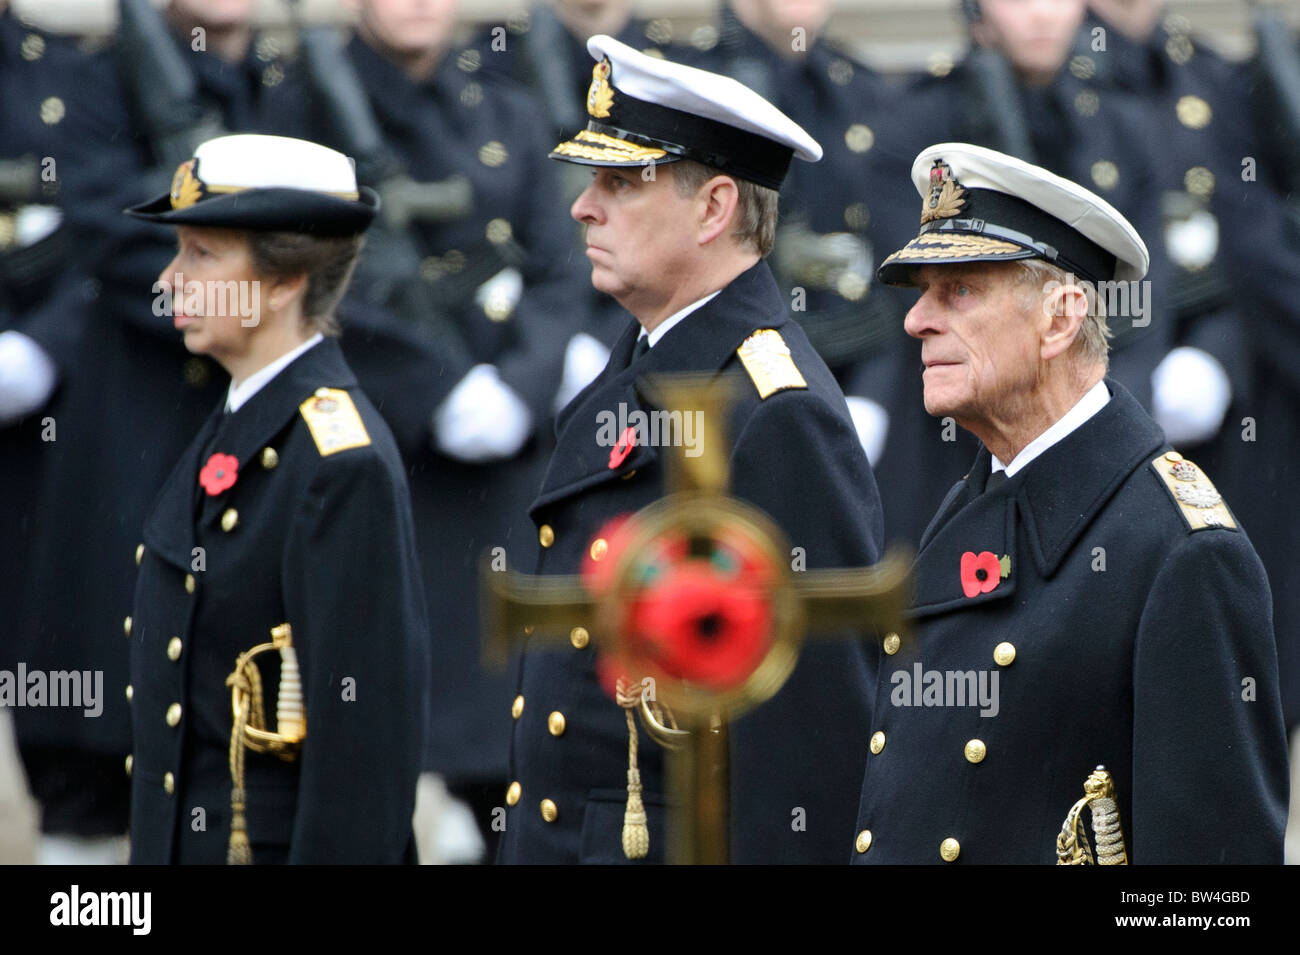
833,214
680,212
501,274
1083,596
42,106
287,521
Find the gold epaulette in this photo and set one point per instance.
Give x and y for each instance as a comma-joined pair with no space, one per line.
1202,506
334,421
766,357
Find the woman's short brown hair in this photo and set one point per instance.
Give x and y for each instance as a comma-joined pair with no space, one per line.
327,261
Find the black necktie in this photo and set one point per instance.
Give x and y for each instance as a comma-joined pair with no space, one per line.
211,446
995,481
642,346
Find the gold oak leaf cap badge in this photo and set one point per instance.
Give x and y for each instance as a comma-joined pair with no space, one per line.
187,188
947,197
600,95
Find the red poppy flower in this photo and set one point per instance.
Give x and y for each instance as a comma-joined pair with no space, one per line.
698,625
618,454
219,473
980,572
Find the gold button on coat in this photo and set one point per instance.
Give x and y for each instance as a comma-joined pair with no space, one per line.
949,850
174,646
546,535
877,741
269,458
863,842
130,762
229,520
579,637
126,626
549,811
189,583
599,548
555,723
1003,654
139,554
975,751
517,707
52,111
173,714
513,793
130,692
169,784
892,643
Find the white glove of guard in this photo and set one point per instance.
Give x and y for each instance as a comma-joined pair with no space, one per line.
482,419
499,295
1190,394
872,423
27,376
584,359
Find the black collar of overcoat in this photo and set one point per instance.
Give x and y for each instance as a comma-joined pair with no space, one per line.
171,530
703,343
1045,507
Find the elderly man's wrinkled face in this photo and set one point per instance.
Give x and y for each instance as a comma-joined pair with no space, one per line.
980,332
638,233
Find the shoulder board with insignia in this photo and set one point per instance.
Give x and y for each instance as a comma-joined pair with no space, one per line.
766,357
334,421
1201,505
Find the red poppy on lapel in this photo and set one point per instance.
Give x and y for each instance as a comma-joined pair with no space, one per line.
618,454
219,473
980,572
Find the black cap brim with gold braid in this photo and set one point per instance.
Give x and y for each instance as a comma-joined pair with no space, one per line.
682,113
1007,210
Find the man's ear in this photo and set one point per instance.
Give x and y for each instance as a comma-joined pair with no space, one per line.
716,208
1065,308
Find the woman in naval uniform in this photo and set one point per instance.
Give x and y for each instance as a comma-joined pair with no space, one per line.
287,522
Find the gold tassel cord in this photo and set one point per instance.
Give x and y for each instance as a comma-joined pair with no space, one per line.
246,680
636,830
250,732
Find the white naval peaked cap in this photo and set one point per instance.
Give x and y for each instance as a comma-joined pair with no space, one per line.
265,183
980,205
644,110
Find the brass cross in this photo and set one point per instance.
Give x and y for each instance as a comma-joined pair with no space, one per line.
709,528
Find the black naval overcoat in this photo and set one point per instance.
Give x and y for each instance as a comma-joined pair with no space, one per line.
316,531
794,455
1126,634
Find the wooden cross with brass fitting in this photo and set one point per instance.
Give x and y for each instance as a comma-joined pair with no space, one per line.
728,549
